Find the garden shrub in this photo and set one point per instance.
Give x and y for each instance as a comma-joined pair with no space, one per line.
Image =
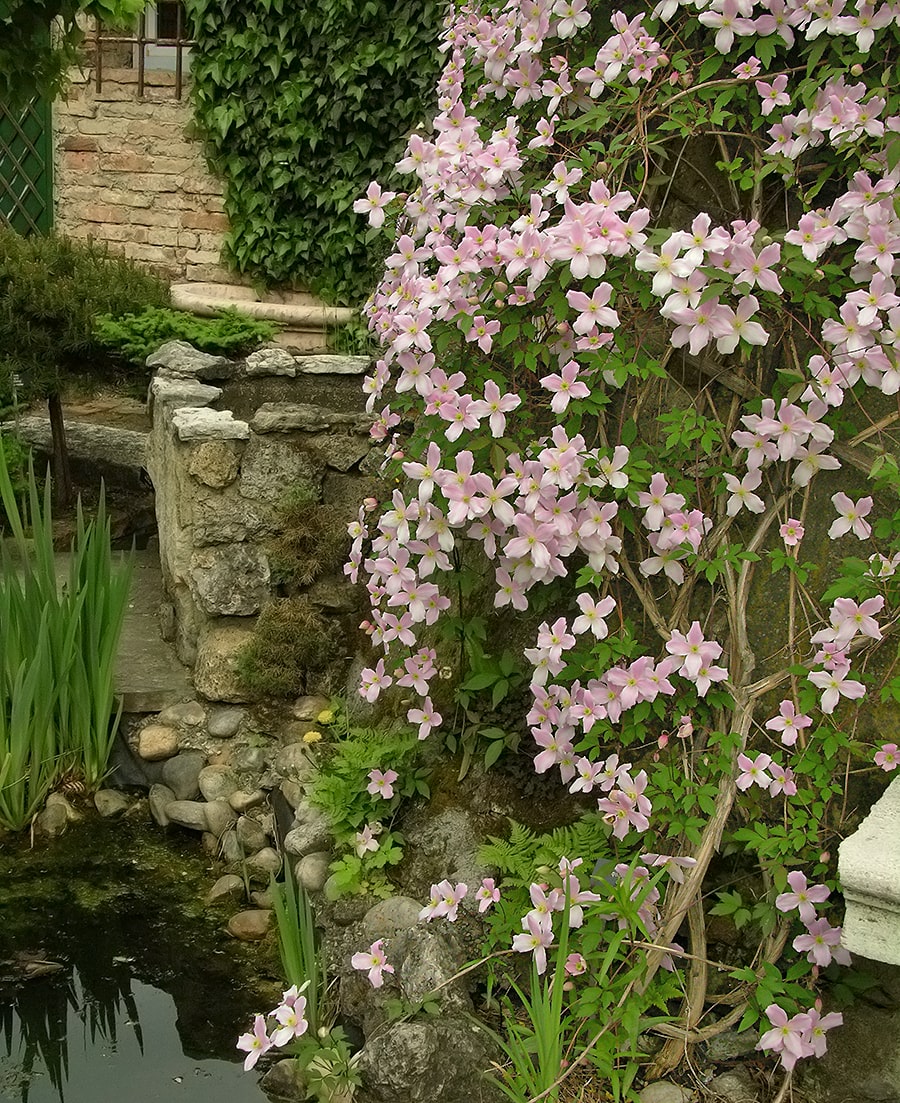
640,309
52,289
135,336
300,107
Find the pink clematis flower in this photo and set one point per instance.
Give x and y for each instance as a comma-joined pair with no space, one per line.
888,758
787,1036
374,961
575,965
292,1021
373,203
823,943
802,897
792,532
850,517
565,386
256,1043
381,784
753,771
835,685
487,894
789,722
364,841
427,718
537,937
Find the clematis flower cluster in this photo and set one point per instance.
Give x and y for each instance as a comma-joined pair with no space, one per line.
504,240
822,942
290,1023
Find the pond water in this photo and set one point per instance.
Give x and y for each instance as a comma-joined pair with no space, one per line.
116,984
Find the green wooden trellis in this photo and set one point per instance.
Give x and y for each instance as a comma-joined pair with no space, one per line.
26,168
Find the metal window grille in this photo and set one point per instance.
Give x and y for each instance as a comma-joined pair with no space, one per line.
26,164
112,47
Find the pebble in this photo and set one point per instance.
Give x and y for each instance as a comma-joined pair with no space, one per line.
220,816
182,775
156,742
243,801
264,864
217,782
388,917
734,1086
228,887
223,723
251,925
312,871
53,820
189,713
110,802
664,1091
161,796
293,762
188,813
232,852
250,836
309,708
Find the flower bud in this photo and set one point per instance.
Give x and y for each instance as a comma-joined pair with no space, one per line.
856,70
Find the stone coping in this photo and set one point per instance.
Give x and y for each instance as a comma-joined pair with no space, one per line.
293,309
869,868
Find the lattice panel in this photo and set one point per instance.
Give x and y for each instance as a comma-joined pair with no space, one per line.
26,176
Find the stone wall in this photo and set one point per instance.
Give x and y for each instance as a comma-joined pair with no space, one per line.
219,479
128,172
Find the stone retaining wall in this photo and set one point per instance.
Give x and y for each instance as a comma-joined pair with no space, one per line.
129,172
219,480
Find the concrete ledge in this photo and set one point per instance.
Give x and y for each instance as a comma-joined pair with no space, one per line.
869,868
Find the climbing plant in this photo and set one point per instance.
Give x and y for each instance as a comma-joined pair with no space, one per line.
30,63
300,109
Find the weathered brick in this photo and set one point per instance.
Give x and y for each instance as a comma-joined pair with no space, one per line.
80,143
99,125
202,221
80,162
103,212
162,235
128,162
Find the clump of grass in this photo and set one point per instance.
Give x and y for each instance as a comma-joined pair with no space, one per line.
59,650
292,639
311,541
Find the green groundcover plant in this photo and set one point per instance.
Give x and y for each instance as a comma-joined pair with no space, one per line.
640,311
135,336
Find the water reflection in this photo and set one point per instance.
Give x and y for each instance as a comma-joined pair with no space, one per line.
87,1034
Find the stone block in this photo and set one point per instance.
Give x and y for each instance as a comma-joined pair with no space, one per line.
231,580
340,451
201,423
348,491
316,364
215,672
270,468
290,417
869,868
170,393
273,361
182,360
215,463
334,593
222,519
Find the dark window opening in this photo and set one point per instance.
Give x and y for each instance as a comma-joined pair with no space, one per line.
171,20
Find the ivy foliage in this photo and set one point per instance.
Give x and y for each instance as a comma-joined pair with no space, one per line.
301,106
29,63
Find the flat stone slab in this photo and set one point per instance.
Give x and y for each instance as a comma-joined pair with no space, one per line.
87,441
148,676
869,868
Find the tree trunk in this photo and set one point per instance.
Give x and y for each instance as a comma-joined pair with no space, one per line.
62,472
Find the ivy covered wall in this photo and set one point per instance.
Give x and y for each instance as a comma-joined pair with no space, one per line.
302,103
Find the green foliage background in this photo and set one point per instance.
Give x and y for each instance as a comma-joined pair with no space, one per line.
29,64
301,106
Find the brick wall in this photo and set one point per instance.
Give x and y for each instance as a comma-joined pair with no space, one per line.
129,173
